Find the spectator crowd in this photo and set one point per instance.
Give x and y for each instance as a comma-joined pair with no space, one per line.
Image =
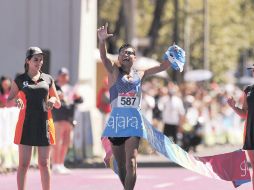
190,114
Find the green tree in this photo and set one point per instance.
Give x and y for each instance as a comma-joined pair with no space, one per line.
230,29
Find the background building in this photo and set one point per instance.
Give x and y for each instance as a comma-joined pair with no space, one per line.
66,31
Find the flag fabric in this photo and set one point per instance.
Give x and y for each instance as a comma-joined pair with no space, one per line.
124,122
176,56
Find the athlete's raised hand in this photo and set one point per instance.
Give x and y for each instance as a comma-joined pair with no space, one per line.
103,32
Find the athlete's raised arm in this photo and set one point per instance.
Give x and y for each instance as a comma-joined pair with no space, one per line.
103,35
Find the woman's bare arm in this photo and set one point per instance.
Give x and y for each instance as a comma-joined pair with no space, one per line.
242,112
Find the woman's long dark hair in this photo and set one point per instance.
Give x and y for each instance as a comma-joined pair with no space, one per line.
26,66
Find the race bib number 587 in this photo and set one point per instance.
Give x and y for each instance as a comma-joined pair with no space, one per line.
127,100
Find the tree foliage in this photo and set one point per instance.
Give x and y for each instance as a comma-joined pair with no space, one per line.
230,29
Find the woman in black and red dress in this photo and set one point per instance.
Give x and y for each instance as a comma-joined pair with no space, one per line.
247,112
35,95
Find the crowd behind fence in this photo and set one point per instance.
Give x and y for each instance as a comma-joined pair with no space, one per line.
204,104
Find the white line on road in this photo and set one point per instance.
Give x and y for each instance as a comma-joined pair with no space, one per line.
162,185
192,178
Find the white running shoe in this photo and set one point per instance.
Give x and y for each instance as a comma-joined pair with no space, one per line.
60,169
64,169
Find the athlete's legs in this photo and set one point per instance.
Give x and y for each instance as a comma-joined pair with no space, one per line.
65,141
119,154
56,148
63,131
44,166
25,153
251,157
131,149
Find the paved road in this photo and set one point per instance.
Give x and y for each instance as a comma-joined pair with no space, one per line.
173,178
155,172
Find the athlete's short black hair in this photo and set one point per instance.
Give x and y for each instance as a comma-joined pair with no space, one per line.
125,46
